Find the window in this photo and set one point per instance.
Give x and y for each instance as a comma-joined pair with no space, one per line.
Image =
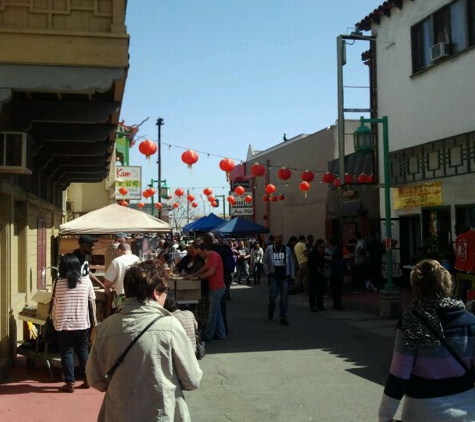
451,29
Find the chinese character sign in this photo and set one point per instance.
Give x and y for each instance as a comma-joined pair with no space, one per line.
129,177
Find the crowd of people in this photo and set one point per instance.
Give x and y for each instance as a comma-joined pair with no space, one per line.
431,328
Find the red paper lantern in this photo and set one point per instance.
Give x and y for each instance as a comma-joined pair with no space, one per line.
270,188
304,187
227,165
337,182
194,204
146,194
207,191
123,191
190,197
214,204
239,191
258,170
151,191
328,177
211,198
362,178
179,192
189,157
265,198
348,178
284,173
124,203
307,176
158,205
140,205
282,197
231,199
148,148
248,199
370,178
176,205
274,198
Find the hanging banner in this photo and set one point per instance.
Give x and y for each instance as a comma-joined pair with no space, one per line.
129,177
415,196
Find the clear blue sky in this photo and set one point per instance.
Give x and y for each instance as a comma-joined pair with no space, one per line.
226,74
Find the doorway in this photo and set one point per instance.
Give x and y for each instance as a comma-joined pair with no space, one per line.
410,238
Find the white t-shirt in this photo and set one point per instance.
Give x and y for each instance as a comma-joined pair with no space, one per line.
116,271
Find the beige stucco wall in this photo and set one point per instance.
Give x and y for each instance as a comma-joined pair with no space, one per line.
299,213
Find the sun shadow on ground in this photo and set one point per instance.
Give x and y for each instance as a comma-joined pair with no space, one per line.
343,334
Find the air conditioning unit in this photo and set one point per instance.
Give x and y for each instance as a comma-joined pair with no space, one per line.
439,51
16,152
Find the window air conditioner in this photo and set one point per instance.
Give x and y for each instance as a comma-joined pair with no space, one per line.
15,153
439,50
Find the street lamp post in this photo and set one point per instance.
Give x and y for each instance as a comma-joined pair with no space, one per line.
152,203
364,142
160,123
224,205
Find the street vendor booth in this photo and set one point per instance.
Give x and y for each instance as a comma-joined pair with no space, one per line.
204,224
240,226
103,224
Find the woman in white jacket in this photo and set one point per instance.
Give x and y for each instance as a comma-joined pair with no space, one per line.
148,384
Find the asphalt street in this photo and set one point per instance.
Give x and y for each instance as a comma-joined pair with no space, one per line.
325,366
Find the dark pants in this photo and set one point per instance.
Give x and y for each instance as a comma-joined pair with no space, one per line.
359,273
336,284
257,271
70,342
316,291
278,287
228,278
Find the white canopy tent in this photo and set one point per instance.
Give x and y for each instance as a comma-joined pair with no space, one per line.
114,219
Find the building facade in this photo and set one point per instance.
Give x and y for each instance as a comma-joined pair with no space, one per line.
293,212
64,67
423,57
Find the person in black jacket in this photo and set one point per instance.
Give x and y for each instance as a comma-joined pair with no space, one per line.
316,280
339,269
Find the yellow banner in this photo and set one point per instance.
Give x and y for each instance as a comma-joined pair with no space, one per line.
426,195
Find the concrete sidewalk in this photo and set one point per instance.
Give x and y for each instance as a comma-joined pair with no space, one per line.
246,364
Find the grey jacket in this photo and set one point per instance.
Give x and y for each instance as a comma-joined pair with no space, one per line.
269,262
148,385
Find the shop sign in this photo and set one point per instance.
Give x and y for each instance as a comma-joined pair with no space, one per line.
416,196
241,211
130,177
246,184
397,270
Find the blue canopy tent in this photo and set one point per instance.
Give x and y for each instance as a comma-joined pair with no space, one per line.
189,227
204,224
240,226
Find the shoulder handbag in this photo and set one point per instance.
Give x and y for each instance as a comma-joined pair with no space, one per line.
121,358
445,343
48,332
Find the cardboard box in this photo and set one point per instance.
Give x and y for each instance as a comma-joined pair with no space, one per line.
43,299
187,290
187,295
171,284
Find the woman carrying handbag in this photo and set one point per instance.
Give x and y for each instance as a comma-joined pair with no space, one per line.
434,354
71,318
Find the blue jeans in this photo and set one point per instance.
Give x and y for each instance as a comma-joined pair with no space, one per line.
215,325
279,287
70,342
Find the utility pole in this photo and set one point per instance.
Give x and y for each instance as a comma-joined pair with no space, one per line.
160,123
